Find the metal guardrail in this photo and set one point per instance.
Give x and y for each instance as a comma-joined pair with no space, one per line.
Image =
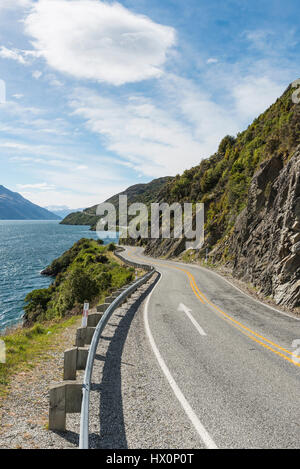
132,263
84,421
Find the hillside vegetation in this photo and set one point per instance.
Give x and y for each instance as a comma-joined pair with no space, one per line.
222,181
142,193
87,271
251,191
80,218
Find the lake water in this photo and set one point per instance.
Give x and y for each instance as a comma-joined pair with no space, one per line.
26,248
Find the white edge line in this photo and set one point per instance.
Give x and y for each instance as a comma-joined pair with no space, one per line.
202,432
245,293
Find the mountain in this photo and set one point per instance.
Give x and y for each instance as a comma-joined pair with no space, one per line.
62,210
142,193
251,191
14,207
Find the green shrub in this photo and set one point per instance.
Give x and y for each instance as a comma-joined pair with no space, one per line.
90,276
81,286
38,298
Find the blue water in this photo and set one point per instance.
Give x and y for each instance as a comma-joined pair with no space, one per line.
26,248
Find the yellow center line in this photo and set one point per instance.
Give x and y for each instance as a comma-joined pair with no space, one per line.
234,322
240,324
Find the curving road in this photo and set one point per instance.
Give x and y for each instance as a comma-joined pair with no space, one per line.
228,359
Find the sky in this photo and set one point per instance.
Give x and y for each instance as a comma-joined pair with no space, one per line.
96,96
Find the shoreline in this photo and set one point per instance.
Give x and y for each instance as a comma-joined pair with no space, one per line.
29,246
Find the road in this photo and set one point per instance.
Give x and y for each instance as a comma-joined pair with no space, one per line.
228,359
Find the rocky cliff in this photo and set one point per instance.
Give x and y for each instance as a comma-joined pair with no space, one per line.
264,247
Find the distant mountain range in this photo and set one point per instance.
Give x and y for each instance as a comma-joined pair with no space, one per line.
14,207
62,210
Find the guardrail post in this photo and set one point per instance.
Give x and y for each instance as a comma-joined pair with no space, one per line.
111,298
82,355
74,359
80,337
93,319
89,335
102,308
65,398
70,364
84,336
57,411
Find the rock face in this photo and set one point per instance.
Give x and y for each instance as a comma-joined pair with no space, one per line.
264,247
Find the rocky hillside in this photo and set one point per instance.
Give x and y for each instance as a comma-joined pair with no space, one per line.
142,193
264,247
251,191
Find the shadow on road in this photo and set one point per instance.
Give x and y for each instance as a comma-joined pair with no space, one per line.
112,428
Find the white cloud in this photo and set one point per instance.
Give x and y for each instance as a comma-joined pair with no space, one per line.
270,42
42,186
12,54
81,167
212,61
157,139
94,40
19,55
53,80
37,74
253,95
14,4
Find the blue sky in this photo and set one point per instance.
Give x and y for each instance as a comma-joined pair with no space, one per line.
103,95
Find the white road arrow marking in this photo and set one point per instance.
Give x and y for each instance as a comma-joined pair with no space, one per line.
188,311
201,430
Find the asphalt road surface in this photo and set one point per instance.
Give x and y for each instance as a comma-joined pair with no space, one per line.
229,361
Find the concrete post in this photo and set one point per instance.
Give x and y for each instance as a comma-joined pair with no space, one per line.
93,319
80,337
65,398
82,356
74,359
102,308
84,336
73,397
57,410
110,299
70,364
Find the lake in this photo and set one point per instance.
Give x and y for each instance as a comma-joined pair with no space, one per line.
26,248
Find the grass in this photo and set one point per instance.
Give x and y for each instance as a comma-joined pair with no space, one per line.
26,347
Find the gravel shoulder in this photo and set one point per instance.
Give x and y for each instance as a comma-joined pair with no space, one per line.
132,405
24,411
